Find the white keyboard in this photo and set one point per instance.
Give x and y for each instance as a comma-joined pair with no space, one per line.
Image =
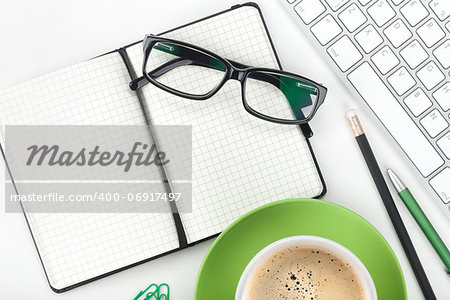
394,55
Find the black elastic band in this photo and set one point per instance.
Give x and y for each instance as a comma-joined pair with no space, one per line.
182,239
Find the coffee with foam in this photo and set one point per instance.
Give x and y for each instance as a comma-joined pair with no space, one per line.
306,273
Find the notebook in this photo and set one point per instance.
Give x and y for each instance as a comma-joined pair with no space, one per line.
239,162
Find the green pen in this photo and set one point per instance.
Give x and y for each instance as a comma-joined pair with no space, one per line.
421,219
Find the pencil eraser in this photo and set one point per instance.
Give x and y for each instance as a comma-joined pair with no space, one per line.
354,122
350,113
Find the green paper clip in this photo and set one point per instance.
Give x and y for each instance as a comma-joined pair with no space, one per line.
155,292
163,295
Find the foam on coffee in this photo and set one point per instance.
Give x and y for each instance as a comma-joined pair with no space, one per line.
298,272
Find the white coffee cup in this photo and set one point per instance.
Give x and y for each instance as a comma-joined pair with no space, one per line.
338,250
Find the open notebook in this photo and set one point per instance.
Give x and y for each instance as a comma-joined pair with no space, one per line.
274,162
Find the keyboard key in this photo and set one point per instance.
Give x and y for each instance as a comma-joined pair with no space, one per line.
441,8
430,75
401,81
441,186
381,12
397,2
326,29
364,2
434,123
442,96
308,10
430,33
393,116
344,53
336,4
444,144
414,54
414,12
447,26
418,102
368,38
352,17
385,60
442,54
397,33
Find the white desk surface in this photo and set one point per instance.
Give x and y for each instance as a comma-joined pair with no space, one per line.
38,37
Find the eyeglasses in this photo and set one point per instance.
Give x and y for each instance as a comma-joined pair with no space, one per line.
195,73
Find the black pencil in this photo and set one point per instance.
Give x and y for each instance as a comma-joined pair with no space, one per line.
389,204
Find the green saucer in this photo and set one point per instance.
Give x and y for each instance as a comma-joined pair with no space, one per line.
229,255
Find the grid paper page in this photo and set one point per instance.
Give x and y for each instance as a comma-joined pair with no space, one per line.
78,246
239,161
